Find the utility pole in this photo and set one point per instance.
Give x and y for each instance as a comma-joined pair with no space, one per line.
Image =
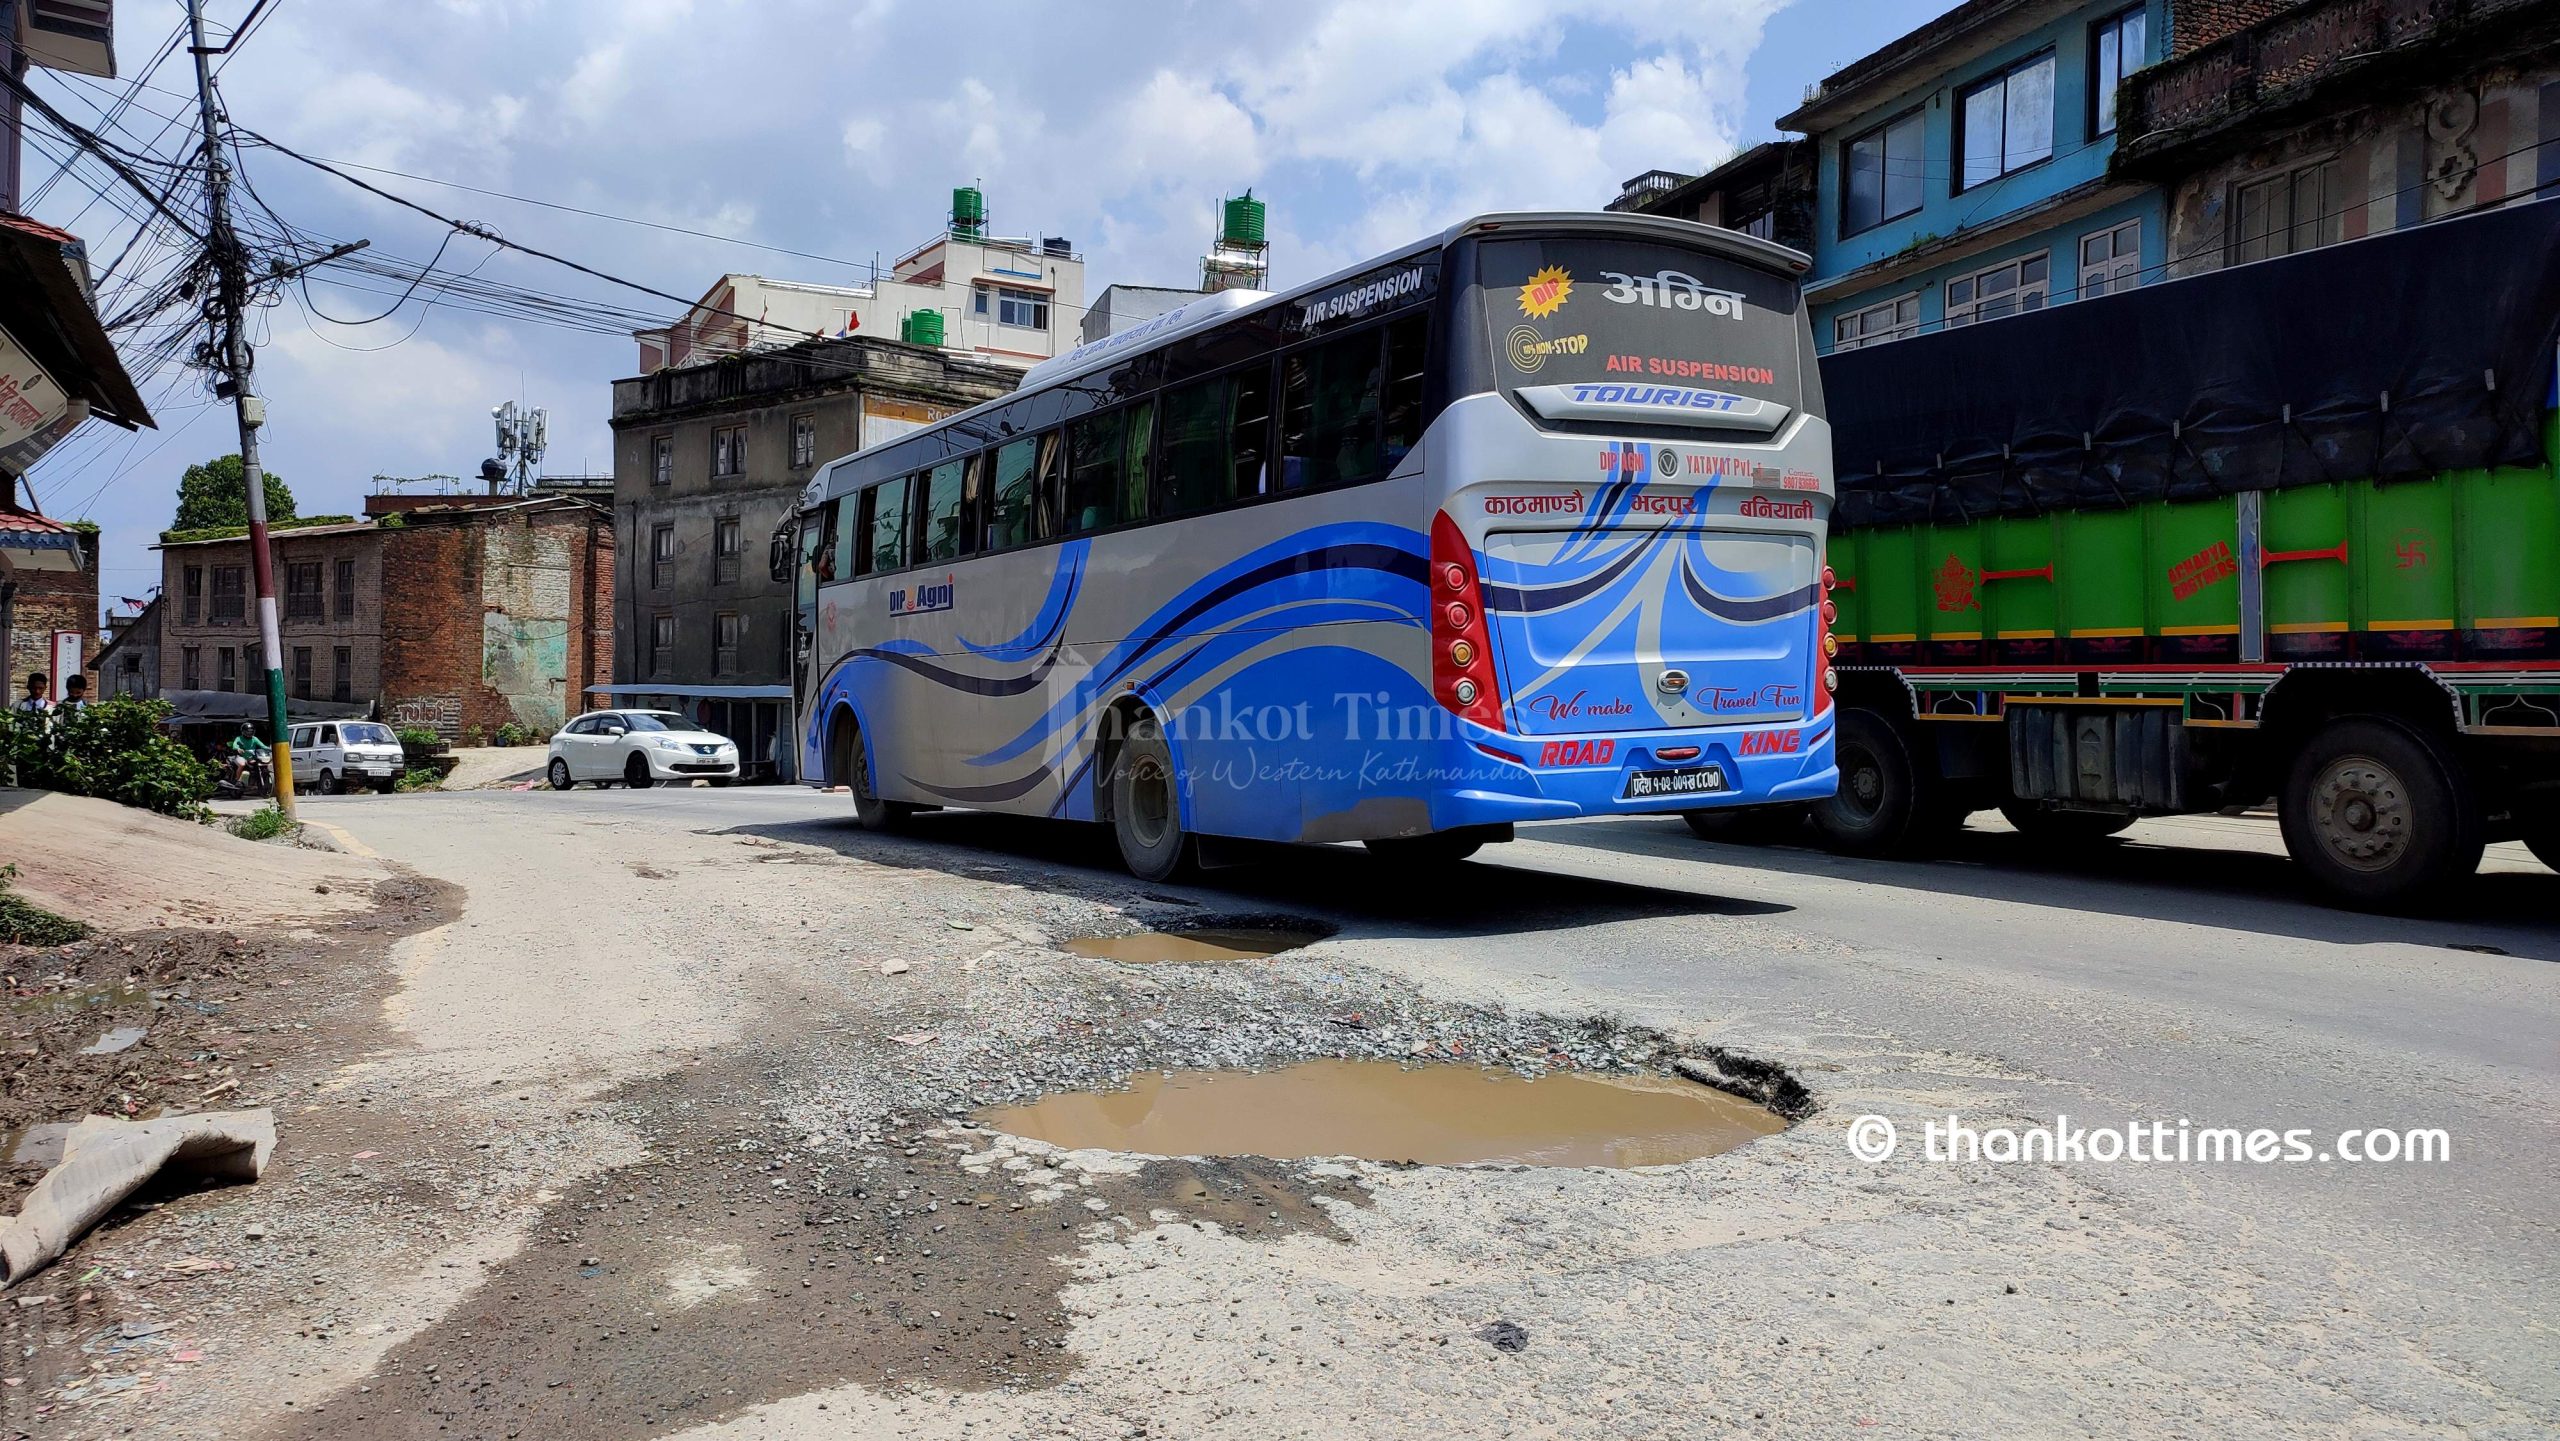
231,300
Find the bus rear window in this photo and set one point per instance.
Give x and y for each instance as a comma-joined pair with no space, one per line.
1579,309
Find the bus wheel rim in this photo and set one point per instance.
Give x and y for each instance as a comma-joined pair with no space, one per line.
2361,811
1150,802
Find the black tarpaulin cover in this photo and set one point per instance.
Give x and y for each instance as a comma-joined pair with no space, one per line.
2392,357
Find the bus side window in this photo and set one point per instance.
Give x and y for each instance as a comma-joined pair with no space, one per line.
1249,432
1329,412
885,510
1010,494
1134,489
1097,455
835,537
1197,475
940,512
820,546
1407,339
1049,488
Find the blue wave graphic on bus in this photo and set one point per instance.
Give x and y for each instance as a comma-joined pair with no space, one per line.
1284,593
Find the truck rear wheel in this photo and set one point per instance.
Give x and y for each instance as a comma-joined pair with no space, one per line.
2062,827
2380,815
1887,803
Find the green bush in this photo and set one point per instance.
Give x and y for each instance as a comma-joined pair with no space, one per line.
113,749
512,734
263,824
419,738
22,924
420,778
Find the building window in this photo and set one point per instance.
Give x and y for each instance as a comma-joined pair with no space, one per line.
346,597
2005,123
729,452
724,643
1026,308
2299,210
804,440
1765,226
230,595
302,599
1895,319
1885,169
662,460
342,673
226,668
302,671
191,667
726,548
2111,260
2007,289
2115,51
662,554
662,642
191,586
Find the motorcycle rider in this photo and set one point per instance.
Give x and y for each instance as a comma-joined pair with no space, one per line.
245,752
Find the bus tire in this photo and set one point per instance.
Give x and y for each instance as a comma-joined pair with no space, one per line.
2380,815
1146,804
2062,828
853,768
1885,805
1427,852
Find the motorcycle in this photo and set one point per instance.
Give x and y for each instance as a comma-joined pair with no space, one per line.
256,780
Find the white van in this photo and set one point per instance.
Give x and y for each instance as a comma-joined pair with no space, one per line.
332,755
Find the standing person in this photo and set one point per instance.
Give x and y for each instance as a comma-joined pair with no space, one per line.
34,701
75,695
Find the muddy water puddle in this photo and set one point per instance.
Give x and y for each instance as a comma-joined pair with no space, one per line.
1205,943
1442,1115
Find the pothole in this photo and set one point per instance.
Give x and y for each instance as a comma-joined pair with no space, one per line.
1440,1115
1194,944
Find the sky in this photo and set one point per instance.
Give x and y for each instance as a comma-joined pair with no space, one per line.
836,128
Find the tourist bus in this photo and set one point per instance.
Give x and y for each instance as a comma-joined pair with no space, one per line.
1523,522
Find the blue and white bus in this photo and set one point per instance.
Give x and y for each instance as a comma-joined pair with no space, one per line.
1523,522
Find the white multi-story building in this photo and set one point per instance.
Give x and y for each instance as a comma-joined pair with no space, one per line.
1015,302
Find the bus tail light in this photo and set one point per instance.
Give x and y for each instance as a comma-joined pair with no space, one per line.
1461,660
1826,645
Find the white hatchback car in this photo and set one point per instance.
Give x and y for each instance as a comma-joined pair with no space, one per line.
639,748
334,755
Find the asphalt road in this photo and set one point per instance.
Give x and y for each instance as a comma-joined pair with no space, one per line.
2174,977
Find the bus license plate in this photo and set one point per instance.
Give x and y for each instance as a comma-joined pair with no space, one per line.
1686,781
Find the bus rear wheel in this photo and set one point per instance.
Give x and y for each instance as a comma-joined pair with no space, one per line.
1146,810
2380,815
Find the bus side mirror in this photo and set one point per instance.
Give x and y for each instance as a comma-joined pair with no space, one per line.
780,557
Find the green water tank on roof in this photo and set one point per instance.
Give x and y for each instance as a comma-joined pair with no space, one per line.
922,327
1243,221
968,212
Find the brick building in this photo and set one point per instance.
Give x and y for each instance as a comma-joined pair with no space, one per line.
45,599
709,461
457,617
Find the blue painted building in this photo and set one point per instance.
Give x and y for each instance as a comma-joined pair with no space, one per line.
1961,172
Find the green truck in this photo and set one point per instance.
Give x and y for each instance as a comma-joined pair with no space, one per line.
2324,573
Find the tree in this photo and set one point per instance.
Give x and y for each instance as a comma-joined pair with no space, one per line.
211,495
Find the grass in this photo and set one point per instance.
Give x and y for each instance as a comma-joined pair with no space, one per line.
420,778
22,924
263,824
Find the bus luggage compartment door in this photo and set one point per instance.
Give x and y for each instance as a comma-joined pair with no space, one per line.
1652,628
